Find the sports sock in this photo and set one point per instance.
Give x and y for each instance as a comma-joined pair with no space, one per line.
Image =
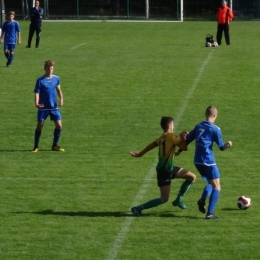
56,136
150,204
206,192
184,188
37,136
213,201
10,59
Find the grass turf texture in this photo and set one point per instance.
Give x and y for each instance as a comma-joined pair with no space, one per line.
117,84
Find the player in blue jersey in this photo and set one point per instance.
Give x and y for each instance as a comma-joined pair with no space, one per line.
36,14
46,88
11,33
205,134
166,170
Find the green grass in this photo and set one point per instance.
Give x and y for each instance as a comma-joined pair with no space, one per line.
117,84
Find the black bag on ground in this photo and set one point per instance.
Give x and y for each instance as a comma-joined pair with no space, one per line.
209,38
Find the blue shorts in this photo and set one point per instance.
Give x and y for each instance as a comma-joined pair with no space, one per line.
208,172
9,47
54,115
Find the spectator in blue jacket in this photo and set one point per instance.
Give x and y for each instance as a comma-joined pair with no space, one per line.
36,14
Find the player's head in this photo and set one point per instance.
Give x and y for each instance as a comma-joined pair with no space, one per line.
49,66
211,113
167,124
223,3
37,3
10,15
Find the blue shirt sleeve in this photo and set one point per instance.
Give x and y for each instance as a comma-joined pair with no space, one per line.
37,86
218,138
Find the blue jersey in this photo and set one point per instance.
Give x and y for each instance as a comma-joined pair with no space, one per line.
205,134
10,29
47,89
36,15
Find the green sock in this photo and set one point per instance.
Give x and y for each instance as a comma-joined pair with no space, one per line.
150,204
184,188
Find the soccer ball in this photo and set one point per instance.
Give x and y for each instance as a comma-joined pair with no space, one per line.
215,44
244,202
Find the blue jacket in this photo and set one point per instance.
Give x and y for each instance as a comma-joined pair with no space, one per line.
36,15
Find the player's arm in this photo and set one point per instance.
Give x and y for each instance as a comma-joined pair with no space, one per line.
226,146
60,95
2,36
37,98
148,148
18,37
188,138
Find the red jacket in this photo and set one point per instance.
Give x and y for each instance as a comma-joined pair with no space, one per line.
224,15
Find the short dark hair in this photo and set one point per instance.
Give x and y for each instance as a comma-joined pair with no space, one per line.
165,121
210,111
48,63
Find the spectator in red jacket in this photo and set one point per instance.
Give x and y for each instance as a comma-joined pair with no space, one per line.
224,15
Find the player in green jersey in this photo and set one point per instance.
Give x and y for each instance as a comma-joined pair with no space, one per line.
166,170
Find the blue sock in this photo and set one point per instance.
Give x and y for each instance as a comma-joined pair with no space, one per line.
56,136
37,136
10,59
213,201
206,192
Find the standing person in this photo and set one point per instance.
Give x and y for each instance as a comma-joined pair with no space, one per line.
12,34
166,171
224,15
36,14
45,100
205,134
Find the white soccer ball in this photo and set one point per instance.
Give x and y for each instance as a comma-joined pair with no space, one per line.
244,202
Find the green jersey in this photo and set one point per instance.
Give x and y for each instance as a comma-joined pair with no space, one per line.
167,143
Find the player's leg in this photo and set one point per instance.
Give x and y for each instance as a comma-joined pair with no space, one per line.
189,177
38,36
56,117
11,48
164,183
213,198
6,50
214,180
219,33
41,117
202,201
37,135
226,32
204,171
30,36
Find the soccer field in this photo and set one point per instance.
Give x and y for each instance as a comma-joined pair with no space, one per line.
118,79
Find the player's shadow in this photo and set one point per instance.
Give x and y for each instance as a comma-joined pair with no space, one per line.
116,214
230,209
16,150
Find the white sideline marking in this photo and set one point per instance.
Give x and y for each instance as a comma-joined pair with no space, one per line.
128,220
78,46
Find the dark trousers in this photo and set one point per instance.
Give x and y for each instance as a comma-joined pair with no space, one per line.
221,28
33,28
